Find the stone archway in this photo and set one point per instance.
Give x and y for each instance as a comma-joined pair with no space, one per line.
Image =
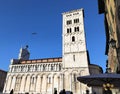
56,82
32,83
49,83
23,83
27,85
38,83
75,83
17,83
44,83
8,84
12,86
66,80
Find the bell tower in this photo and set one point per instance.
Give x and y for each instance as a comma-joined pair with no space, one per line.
74,43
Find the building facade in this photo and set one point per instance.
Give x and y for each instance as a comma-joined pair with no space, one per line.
3,75
44,76
111,8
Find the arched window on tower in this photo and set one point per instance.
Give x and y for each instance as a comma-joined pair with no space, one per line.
73,38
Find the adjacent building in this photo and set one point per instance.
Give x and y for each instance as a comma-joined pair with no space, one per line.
3,75
44,76
111,10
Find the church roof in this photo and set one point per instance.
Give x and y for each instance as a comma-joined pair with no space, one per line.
44,60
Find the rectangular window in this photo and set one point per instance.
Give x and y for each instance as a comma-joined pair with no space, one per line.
76,20
69,22
69,30
76,29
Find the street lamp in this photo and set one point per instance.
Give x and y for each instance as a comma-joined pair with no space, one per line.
113,45
107,88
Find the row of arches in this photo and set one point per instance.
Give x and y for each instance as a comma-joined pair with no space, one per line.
42,83
36,67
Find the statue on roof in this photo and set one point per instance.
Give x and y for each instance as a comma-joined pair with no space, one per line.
24,53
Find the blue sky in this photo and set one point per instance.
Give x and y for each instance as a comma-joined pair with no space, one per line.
20,18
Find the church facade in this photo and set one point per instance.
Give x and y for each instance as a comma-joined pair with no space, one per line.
44,76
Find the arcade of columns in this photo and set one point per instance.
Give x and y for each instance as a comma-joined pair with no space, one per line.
25,78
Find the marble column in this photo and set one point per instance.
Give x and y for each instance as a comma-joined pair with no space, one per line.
52,84
70,81
13,83
41,84
58,83
22,84
61,82
6,85
38,84
35,84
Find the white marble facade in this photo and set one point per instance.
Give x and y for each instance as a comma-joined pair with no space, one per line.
43,76
37,80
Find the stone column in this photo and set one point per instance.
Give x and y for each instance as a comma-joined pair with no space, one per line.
70,81
20,78
41,67
32,68
61,82
52,84
35,83
27,86
38,84
58,83
20,68
47,69
26,68
30,81
25,83
10,83
46,83
41,84
13,83
55,67
6,84
22,84
80,85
